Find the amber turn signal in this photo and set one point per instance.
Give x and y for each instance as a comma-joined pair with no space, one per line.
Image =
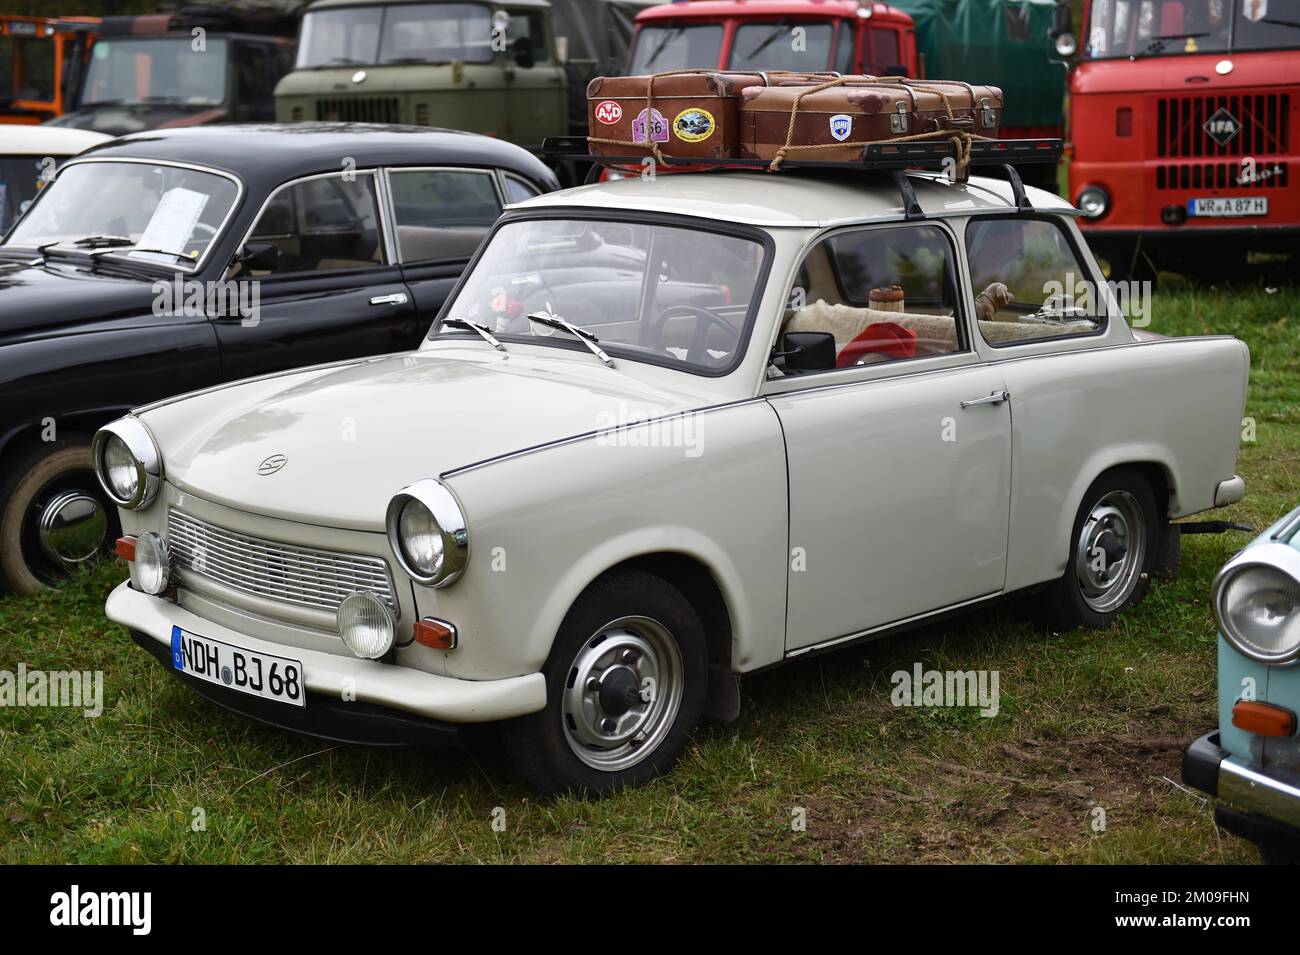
435,634
125,548
1264,719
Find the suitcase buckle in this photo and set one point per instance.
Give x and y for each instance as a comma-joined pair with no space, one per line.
898,120
988,116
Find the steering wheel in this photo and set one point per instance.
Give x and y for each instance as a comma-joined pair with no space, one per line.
697,350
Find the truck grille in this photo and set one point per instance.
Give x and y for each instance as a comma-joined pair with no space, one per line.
319,579
1264,120
1220,175
358,109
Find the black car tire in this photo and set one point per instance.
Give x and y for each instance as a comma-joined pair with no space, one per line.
624,611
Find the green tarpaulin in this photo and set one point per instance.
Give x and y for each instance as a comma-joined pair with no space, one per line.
996,43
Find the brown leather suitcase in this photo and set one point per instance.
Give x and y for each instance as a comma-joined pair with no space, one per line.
687,114
832,123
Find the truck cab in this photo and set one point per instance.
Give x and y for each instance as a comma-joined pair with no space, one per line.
1183,115
401,61
189,68
42,62
840,35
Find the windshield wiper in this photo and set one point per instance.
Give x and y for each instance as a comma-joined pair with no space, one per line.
1157,43
781,27
96,255
671,35
339,61
101,241
481,329
551,320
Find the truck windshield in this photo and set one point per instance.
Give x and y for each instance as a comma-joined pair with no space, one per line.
402,33
118,204
27,66
156,70
782,46
677,47
671,295
1140,28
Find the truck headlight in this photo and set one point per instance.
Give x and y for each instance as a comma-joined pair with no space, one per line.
127,463
427,531
1094,201
1256,599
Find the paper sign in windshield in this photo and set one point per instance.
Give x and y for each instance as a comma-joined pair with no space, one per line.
172,224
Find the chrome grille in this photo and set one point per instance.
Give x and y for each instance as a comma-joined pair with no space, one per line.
319,579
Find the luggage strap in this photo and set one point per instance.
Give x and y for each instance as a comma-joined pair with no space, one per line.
960,139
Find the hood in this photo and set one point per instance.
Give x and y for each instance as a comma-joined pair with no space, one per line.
352,435
36,298
1184,73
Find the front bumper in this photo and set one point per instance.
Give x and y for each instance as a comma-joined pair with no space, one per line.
1260,807
381,686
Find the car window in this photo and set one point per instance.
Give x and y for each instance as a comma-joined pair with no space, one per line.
442,213
322,223
1027,281
517,190
528,24
885,294
884,49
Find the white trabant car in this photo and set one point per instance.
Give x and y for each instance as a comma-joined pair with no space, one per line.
667,432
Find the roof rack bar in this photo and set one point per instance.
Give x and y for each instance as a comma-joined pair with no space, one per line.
911,207
1018,189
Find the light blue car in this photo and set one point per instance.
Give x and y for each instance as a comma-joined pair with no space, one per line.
1251,763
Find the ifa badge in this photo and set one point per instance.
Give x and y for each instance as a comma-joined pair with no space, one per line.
609,112
649,124
841,127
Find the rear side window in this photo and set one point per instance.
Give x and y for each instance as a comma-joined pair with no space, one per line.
442,213
1028,283
321,224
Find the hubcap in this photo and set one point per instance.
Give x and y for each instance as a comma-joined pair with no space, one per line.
72,526
622,694
1111,551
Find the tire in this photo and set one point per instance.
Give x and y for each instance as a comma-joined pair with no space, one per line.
52,478
627,628
1103,576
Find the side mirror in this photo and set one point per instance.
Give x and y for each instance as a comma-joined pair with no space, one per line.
1062,20
807,351
523,53
259,256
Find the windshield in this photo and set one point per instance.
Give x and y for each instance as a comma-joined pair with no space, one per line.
1123,28
163,208
20,180
156,70
669,295
28,68
404,33
785,45
674,47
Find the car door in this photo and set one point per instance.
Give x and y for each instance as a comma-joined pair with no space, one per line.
899,457
318,280
440,216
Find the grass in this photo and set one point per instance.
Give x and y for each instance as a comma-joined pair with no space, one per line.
1091,724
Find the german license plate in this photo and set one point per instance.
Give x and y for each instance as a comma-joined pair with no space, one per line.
1222,208
257,674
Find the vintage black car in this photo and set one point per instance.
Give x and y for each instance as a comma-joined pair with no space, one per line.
171,260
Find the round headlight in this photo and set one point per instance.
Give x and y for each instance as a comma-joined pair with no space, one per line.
428,534
1094,201
151,570
1257,603
366,625
420,538
127,462
120,472
1066,45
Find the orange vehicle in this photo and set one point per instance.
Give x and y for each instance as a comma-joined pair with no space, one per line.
42,61
1184,116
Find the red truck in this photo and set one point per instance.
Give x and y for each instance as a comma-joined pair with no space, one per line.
1182,114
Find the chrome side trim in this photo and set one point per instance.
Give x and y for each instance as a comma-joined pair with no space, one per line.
892,625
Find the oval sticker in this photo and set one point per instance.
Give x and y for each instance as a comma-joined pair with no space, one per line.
694,125
609,112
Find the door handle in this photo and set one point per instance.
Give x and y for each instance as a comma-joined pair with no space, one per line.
397,298
996,398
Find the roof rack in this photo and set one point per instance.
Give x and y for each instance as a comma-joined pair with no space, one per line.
893,158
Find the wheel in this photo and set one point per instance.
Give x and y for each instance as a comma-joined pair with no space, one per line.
1114,543
625,684
54,517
